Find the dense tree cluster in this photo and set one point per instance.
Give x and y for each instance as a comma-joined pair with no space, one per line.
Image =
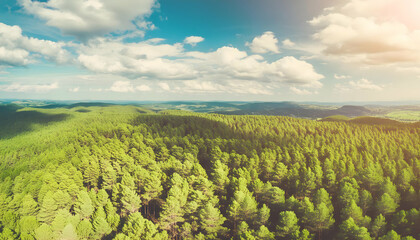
115,173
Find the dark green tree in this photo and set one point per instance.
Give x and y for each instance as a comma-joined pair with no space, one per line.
378,226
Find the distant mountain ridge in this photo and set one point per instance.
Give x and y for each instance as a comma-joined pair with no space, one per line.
287,108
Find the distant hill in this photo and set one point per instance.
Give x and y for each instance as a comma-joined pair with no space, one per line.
336,118
292,109
368,121
375,121
351,111
299,110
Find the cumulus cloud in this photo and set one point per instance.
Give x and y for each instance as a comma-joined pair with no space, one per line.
76,89
297,72
128,87
374,32
338,76
231,86
146,25
154,60
164,86
88,18
248,87
143,88
365,84
143,59
17,50
17,87
214,71
288,43
193,40
264,44
122,87
238,65
299,91
362,84
13,57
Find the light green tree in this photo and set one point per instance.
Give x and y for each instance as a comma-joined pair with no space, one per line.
288,224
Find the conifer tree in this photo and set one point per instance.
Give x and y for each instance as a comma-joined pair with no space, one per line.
391,235
378,226
27,226
84,229
322,218
287,225
264,233
28,207
130,201
386,204
100,225
366,201
83,206
262,216
43,232
171,215
137,227
48,209
220,177
211,220
349,230
69,233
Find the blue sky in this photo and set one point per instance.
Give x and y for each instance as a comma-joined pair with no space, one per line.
271,50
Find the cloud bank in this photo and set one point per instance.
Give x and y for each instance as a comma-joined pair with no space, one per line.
85,19
19,50
372,32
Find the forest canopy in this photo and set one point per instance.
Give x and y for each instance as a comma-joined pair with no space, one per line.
123,172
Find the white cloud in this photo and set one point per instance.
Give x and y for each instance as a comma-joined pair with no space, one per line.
76,89
337,76
202,86
122,87
143,88
13,57
17,87
365,84
288,43
231,86
247,87
146,25
16,49
152,60
297,72
362,84
88,18
164,86
299,91
96,90
264,44
143,59
374,32
193,40
235,64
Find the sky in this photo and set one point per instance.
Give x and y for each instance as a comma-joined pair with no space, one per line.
235,50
